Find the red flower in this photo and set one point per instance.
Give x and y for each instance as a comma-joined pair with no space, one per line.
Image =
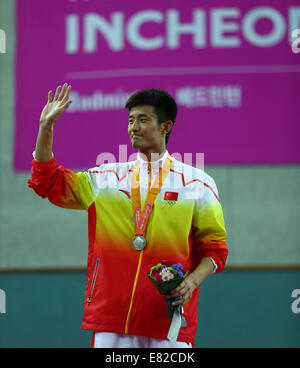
157,277
154,272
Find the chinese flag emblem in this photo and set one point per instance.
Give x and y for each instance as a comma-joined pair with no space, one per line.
171,196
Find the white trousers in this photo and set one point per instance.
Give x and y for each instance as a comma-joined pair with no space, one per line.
115,340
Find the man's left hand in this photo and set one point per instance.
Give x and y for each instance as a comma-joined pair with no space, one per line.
192,281
184,290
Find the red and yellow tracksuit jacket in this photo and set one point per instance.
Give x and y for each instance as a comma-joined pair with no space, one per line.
186,223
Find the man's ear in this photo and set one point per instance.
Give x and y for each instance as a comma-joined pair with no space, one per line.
167,126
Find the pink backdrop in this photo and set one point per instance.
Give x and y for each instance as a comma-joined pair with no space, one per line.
229,65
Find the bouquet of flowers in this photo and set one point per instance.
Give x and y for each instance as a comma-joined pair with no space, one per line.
166,276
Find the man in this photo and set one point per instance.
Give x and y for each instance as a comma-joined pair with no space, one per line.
140,213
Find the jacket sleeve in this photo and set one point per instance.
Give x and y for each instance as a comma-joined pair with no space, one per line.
63,187
208,227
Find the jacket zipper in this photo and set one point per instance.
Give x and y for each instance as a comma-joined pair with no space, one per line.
133,291
94,280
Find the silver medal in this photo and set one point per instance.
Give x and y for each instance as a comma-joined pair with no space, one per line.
139,242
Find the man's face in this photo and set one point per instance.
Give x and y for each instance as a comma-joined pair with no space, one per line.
143,128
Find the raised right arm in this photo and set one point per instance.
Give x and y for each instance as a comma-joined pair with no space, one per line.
51,112
63,187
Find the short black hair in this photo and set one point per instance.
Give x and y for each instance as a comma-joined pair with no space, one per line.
164,104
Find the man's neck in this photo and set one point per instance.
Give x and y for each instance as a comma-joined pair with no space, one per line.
152,154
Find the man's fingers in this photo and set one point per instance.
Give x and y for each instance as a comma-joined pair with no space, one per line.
67,104
57,93
184,292
68,90
62,92
67,94
182,300
179,289
50,96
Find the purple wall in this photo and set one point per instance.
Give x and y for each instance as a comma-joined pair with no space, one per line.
229,65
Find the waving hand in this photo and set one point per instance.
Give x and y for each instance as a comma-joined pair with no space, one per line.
56,106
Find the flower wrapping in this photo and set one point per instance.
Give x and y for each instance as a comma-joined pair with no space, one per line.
166,276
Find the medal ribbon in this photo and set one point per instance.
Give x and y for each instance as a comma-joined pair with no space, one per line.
141,217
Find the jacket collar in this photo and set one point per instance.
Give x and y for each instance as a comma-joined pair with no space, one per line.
155,165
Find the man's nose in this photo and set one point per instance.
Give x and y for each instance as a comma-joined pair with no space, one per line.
135,126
